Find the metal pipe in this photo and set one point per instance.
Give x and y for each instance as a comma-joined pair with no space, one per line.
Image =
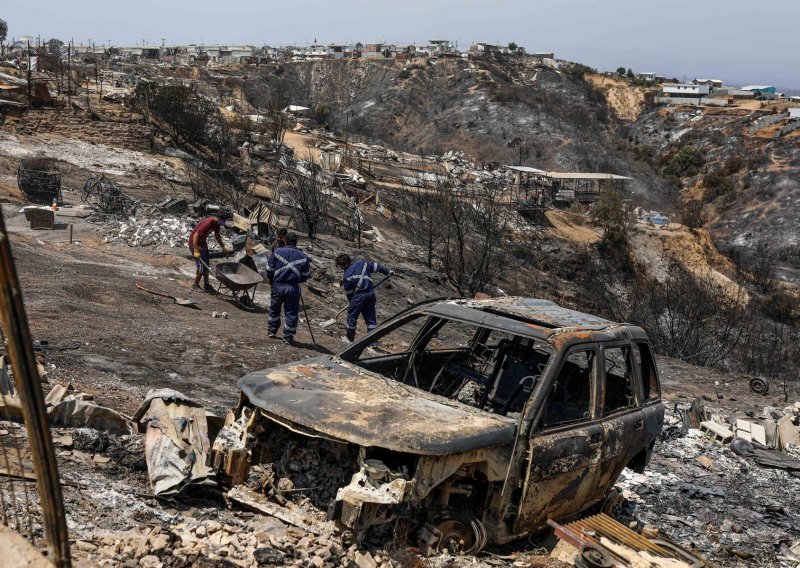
28,383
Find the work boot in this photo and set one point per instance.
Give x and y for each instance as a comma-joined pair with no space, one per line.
272,334
288,340
209,288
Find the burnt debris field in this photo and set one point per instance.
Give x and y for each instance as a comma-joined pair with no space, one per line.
578,361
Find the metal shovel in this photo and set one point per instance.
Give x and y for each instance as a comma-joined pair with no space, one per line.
179,301
330,322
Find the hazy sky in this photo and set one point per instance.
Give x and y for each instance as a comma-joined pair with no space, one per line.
739,41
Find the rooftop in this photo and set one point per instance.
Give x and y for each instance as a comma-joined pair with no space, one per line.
579,175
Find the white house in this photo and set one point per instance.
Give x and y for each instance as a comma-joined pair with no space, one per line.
794,113
318,51
713,83
441,46
649,77
340,51
686,90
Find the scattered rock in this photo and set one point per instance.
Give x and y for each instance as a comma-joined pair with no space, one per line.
150,561
365,560
266,556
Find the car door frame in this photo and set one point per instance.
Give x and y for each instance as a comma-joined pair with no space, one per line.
562,460
621,426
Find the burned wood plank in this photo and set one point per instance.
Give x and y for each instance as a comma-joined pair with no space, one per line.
252,501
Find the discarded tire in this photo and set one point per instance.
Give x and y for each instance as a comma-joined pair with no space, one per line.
759,385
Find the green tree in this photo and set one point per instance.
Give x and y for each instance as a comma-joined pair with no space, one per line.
609,213
512,46
630,73
620,71
686,162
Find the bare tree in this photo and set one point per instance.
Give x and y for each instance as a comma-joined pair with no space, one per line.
472,251
306,190
218,186
424,209
763,268
275,123
692,317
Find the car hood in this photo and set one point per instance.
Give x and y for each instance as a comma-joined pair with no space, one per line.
329,397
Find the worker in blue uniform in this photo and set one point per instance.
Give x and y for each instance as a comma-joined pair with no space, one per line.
358,286
287,268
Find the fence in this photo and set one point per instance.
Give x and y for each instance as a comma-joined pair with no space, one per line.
25,511
690,101
765,121
794,125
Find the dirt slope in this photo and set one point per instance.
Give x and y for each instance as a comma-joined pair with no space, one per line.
625,99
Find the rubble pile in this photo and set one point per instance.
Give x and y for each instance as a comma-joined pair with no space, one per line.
726,506
309,471
145,231
253,542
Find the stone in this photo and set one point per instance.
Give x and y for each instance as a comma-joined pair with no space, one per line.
788,434
365,560
267,556
159,542
201,531
85,546
150,561
213,526
304,543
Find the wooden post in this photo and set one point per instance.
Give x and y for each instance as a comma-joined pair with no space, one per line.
28,383
70,233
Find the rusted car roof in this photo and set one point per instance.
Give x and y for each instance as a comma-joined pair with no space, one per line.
543,312
345,402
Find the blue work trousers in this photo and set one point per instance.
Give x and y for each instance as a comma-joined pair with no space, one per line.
361,304
284,296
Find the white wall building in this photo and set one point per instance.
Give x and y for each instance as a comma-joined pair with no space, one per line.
686,90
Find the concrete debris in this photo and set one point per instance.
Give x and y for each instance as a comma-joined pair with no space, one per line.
712,495
150,230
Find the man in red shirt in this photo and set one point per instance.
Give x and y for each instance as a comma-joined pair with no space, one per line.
198,244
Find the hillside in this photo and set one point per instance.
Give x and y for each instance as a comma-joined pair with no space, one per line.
494,111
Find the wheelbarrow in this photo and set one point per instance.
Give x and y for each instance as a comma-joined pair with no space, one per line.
237,280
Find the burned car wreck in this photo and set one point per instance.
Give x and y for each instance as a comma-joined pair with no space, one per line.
473,421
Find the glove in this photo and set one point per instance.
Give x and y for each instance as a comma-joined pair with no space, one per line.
391,273
226,251
196,253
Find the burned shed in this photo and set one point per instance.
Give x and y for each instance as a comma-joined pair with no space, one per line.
40,180
533,186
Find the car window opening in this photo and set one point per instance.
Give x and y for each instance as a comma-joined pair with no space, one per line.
570,397
647,370
484,368
619,392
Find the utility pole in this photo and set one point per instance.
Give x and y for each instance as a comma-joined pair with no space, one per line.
30,94
69,75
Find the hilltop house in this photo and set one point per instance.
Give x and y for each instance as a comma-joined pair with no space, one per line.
686,90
